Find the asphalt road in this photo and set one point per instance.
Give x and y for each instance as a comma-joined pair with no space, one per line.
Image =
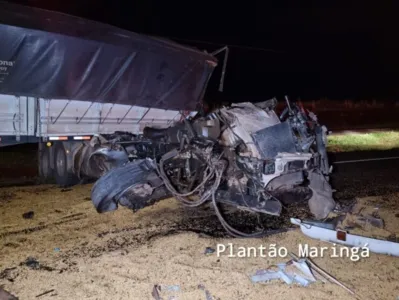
351,180
367,178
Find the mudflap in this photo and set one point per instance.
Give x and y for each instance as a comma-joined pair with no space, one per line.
321,203
135,185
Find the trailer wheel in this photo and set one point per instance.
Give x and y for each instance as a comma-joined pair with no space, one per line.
45,170
63,177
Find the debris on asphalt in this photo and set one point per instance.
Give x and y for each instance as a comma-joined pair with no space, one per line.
209,250
4,295
322,272
290,272
28,215
45,293
344,238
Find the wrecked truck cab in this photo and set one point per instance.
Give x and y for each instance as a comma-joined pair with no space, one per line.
244,155
289,151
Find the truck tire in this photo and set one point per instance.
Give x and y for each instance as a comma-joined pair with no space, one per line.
63,176
117,187
46,173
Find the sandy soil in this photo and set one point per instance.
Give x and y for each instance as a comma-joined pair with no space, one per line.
122,255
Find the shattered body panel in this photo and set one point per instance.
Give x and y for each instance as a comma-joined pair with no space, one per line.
244,120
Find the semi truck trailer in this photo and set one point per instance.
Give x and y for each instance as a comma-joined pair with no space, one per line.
67,129
70,84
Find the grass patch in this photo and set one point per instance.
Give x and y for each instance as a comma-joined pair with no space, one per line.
363,141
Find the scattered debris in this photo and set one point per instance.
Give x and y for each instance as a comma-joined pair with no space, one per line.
344,238
209,250
373,220
290,272
57,249
329,225
361,221
66,190
208,295
155,292
171,288
45,293
9,273
323,273
393,238
175,288
73,216
4,295
32,263
28,215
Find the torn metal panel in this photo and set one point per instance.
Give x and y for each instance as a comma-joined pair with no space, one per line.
300,274
244,119
275,139
321,203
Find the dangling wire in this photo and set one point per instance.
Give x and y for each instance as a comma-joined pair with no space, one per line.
215,169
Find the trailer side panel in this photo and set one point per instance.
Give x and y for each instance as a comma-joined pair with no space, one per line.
55,56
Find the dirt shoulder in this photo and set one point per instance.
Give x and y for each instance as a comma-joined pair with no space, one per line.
80,254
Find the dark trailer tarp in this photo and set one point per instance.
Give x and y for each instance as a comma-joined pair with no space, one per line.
56,56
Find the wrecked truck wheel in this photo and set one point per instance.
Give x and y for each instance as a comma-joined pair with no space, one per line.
63,176
133,185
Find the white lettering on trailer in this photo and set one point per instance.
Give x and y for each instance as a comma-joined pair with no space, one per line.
7,63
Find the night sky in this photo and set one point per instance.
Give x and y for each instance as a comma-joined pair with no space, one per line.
312,50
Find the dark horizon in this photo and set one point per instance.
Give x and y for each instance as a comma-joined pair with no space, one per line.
322,50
